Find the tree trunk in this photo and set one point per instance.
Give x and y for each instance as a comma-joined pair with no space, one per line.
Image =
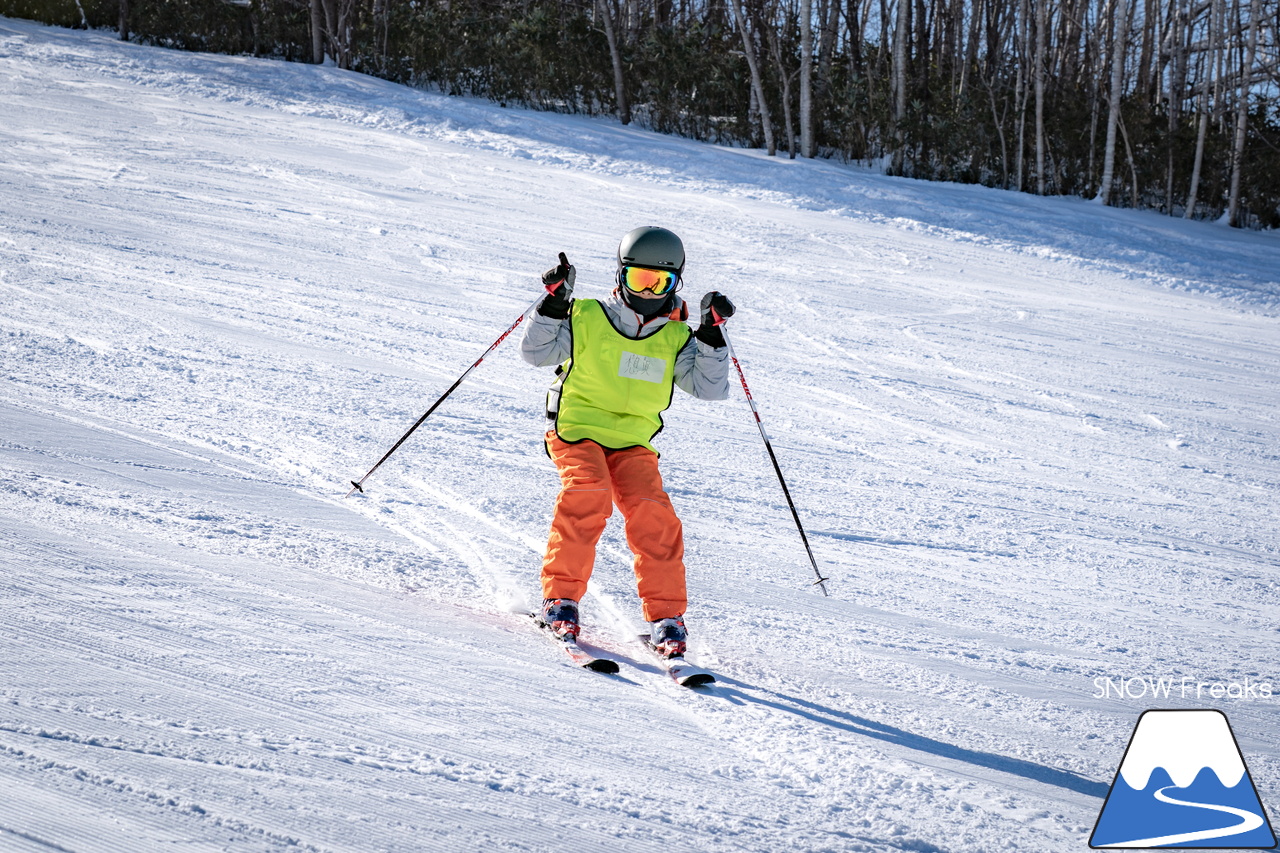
855,33
1042,22
757,82
806,78
1199,161
900,87
615,54
1177,84
827,49
971,52
338,27
1242,115
333,29
330,8
921,84
1119,37
1203,132
1091,70
1022,88
998,121
1133,166
381,23
317,32
124,20
1147,55
775,48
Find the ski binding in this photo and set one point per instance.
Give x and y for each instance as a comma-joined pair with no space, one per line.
681,671
580,656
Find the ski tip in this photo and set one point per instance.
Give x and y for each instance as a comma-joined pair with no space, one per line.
697,679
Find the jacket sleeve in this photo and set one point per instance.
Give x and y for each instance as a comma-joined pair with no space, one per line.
547,341
703,370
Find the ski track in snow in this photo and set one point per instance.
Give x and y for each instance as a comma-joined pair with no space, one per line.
1034,442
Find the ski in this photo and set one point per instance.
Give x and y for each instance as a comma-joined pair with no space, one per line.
585,659
681,671
580,656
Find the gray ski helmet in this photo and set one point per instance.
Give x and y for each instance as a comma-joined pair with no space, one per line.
652,247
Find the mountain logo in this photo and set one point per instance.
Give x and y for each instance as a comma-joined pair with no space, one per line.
1183,783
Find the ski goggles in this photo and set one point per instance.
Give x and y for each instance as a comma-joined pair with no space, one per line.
640,279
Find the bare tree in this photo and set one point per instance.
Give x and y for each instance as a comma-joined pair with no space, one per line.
1118,40
998,120
806,78
1021,88
339,20
1242,113
1211,66
757,82
785,76
829,15
900,87
608,18
1178,49
1019,93
317,32
1042,24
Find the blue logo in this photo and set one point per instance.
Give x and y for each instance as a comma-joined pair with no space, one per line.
1183,783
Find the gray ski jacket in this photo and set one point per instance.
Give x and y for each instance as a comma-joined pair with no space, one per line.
701,370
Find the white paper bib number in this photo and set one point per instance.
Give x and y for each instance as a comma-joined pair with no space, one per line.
643,367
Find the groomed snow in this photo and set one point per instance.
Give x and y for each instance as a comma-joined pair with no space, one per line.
1035,443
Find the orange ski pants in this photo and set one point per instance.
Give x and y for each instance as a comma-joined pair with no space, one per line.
592,480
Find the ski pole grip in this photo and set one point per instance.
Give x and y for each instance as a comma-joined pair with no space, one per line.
552,287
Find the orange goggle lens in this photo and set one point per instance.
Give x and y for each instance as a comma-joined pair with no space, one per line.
657,282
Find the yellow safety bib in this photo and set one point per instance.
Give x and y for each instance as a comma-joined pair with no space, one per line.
615,388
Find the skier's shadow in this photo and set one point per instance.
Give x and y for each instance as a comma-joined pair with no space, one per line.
743,693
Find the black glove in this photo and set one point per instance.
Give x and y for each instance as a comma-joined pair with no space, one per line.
716,308
559,284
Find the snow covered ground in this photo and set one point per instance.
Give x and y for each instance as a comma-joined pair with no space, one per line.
1035,442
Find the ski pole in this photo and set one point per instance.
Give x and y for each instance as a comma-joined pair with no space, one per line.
821,581
358,485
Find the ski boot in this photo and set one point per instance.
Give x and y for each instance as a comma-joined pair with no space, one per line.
669,637
560,617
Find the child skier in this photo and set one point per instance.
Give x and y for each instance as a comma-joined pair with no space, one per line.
617,360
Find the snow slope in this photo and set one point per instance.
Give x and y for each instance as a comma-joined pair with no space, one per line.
1035,443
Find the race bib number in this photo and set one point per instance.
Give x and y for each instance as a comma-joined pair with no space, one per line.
642,367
